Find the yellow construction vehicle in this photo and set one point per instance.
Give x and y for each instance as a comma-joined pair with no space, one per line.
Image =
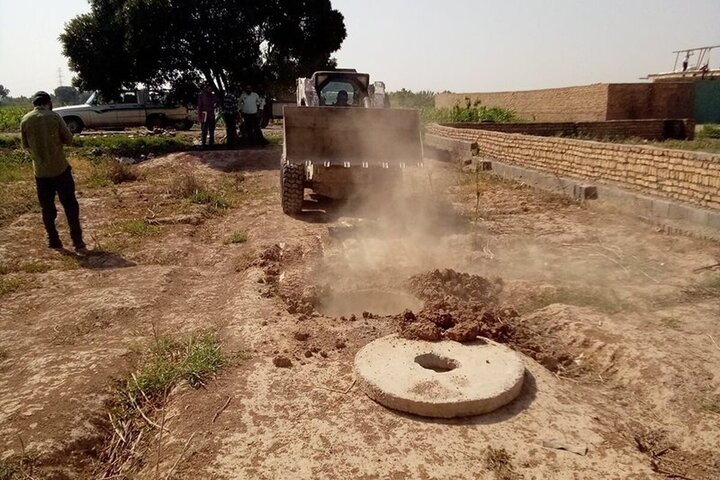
341,139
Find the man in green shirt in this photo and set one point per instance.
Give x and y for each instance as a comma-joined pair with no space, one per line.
44,133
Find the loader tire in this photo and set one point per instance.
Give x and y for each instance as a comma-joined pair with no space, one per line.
292,185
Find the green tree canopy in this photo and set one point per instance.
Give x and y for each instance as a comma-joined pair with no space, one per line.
184,43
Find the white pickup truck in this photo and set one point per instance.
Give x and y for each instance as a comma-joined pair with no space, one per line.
131,109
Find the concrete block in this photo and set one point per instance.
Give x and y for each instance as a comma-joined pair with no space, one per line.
585,192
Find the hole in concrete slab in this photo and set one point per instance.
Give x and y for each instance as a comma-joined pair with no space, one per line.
345,304
436,363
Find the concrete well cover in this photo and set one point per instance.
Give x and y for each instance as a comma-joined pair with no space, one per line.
439,379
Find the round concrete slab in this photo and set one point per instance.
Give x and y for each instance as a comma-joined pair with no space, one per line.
439,379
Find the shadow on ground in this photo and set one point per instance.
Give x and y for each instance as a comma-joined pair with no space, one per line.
100,259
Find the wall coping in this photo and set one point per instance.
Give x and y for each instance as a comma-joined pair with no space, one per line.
630,148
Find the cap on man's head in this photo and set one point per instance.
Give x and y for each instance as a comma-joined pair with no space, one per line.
40,98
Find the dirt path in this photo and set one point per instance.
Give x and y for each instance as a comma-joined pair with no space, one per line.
616,298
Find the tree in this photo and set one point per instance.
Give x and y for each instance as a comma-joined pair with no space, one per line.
408,98
183,43
4,92
67,95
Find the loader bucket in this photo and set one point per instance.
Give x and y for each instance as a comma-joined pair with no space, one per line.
347,136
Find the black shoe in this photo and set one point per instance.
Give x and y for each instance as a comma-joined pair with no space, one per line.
55,244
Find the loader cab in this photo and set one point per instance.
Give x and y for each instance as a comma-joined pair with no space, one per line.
328,85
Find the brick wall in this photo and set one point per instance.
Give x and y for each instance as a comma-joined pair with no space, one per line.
571,104
589,103
647,129
686,176
649,100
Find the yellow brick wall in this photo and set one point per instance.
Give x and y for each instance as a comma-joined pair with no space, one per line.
691,177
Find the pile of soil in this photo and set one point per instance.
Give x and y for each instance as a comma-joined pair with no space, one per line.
461,307
458,306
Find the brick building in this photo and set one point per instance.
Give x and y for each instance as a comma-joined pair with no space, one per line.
588,103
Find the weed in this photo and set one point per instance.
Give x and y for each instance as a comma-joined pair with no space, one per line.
216,201
712,404
164,364
169,361
709,131
237,237
184,185
471,112
139,227
499,461
17,199
34,267
131,145
10,141
15,165
18,467
10,284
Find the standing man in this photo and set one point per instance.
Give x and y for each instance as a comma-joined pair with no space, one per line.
44,133
207,101
249,103
230,113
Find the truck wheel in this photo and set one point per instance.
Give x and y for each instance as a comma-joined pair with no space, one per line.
155,121
74,124
292,185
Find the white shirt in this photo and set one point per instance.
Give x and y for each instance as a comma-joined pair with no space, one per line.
249,103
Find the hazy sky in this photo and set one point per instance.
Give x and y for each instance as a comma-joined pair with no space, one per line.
458,45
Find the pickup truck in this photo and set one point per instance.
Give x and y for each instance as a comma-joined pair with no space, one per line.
139,108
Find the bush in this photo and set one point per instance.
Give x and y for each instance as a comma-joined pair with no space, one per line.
710,131
468,113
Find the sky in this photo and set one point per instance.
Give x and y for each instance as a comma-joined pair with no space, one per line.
456,45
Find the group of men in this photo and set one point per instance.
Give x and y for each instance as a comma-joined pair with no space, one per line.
44,133
247,107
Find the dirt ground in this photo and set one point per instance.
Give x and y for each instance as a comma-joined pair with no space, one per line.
618,330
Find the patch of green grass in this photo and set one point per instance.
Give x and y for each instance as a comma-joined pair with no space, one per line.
169,361
35,266
132,145
161,365
108,171
274,137
10,284
216,201
712,404
10,141
237,237
604,300
138,227
15,165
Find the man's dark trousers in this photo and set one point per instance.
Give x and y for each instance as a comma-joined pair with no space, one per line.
231,128
64,186
252,125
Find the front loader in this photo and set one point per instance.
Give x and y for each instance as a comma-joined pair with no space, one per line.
341,141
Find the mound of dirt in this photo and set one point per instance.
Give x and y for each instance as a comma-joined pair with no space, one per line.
461,307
